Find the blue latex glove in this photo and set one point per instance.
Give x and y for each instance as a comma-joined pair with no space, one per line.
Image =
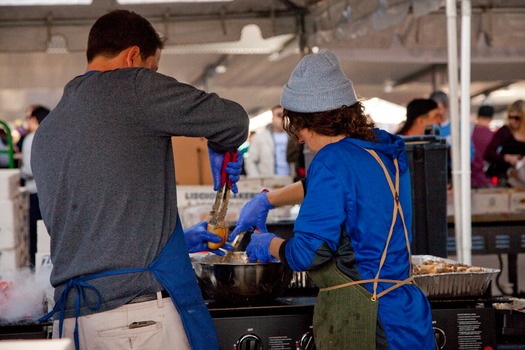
197,238
233,170
253,215
259,247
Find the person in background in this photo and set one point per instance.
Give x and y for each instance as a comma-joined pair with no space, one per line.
481,137
267,153
353,230
445,129
295,157
441,98
421,113
4,147
23,129
507,147
34,118
103,165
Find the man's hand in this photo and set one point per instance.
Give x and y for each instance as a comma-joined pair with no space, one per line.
222,172
197,238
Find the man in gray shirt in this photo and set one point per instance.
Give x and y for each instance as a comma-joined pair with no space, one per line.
103,164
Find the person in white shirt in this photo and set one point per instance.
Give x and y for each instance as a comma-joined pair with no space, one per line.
34,117
267,152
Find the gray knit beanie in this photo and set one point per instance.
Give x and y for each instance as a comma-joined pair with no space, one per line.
318,84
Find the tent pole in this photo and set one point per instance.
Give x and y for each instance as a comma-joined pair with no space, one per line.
466,219
452,49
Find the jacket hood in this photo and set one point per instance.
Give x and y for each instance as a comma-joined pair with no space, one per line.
389,145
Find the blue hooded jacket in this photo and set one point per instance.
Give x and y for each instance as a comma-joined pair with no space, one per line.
347,191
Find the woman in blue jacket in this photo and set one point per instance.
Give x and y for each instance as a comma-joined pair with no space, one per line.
352,233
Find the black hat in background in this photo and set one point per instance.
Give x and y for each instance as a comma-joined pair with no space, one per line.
486,111
420,106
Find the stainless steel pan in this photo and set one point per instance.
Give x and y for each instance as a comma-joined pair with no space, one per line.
239,282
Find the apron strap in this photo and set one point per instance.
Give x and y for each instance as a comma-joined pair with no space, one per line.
79,284
394,188
397,284
397,209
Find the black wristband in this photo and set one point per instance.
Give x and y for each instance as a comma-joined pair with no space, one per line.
303,181
282,252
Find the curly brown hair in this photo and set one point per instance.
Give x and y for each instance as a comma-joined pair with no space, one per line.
349,121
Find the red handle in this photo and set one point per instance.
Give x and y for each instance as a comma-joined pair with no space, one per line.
230,156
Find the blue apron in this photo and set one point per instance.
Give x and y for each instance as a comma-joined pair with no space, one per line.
173,270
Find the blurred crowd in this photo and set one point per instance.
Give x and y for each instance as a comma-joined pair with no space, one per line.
496,152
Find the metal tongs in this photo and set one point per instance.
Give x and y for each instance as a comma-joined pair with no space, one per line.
220,206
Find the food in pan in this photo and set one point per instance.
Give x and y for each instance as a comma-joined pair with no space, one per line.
430,266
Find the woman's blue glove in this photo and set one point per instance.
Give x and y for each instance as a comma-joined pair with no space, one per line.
197,238
253,215
259,247
220,171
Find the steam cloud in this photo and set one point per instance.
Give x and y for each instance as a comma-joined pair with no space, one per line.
22,294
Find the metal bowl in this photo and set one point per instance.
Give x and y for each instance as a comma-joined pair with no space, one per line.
236,281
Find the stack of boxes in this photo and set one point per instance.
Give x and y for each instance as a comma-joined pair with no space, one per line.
499,200
43,248
195,202
14,222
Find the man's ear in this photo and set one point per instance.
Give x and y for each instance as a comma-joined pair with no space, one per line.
133,58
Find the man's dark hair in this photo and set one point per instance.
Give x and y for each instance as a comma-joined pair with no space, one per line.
120,29
486,112
40,112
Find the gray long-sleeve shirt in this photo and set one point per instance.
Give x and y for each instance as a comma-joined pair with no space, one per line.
103,164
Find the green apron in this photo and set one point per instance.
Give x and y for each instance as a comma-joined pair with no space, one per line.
345,314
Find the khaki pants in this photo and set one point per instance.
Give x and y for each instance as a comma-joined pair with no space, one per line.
111,330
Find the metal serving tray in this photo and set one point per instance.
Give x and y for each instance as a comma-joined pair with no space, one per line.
452,284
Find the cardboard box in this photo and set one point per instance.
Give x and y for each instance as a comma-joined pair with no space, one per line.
252,182
14,259
14,221
276,182
43,241
22,198
9,183
205,195
8,211
13,236
490,200
8,237
8,260
517,201
195,203
192,163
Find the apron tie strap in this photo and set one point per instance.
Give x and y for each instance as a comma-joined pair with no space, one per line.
397,284
79,284
394,188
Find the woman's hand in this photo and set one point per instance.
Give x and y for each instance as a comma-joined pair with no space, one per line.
253,215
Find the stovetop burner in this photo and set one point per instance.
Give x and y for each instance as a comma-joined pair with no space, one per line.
284,323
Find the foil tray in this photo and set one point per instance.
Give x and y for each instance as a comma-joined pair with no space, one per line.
452,284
